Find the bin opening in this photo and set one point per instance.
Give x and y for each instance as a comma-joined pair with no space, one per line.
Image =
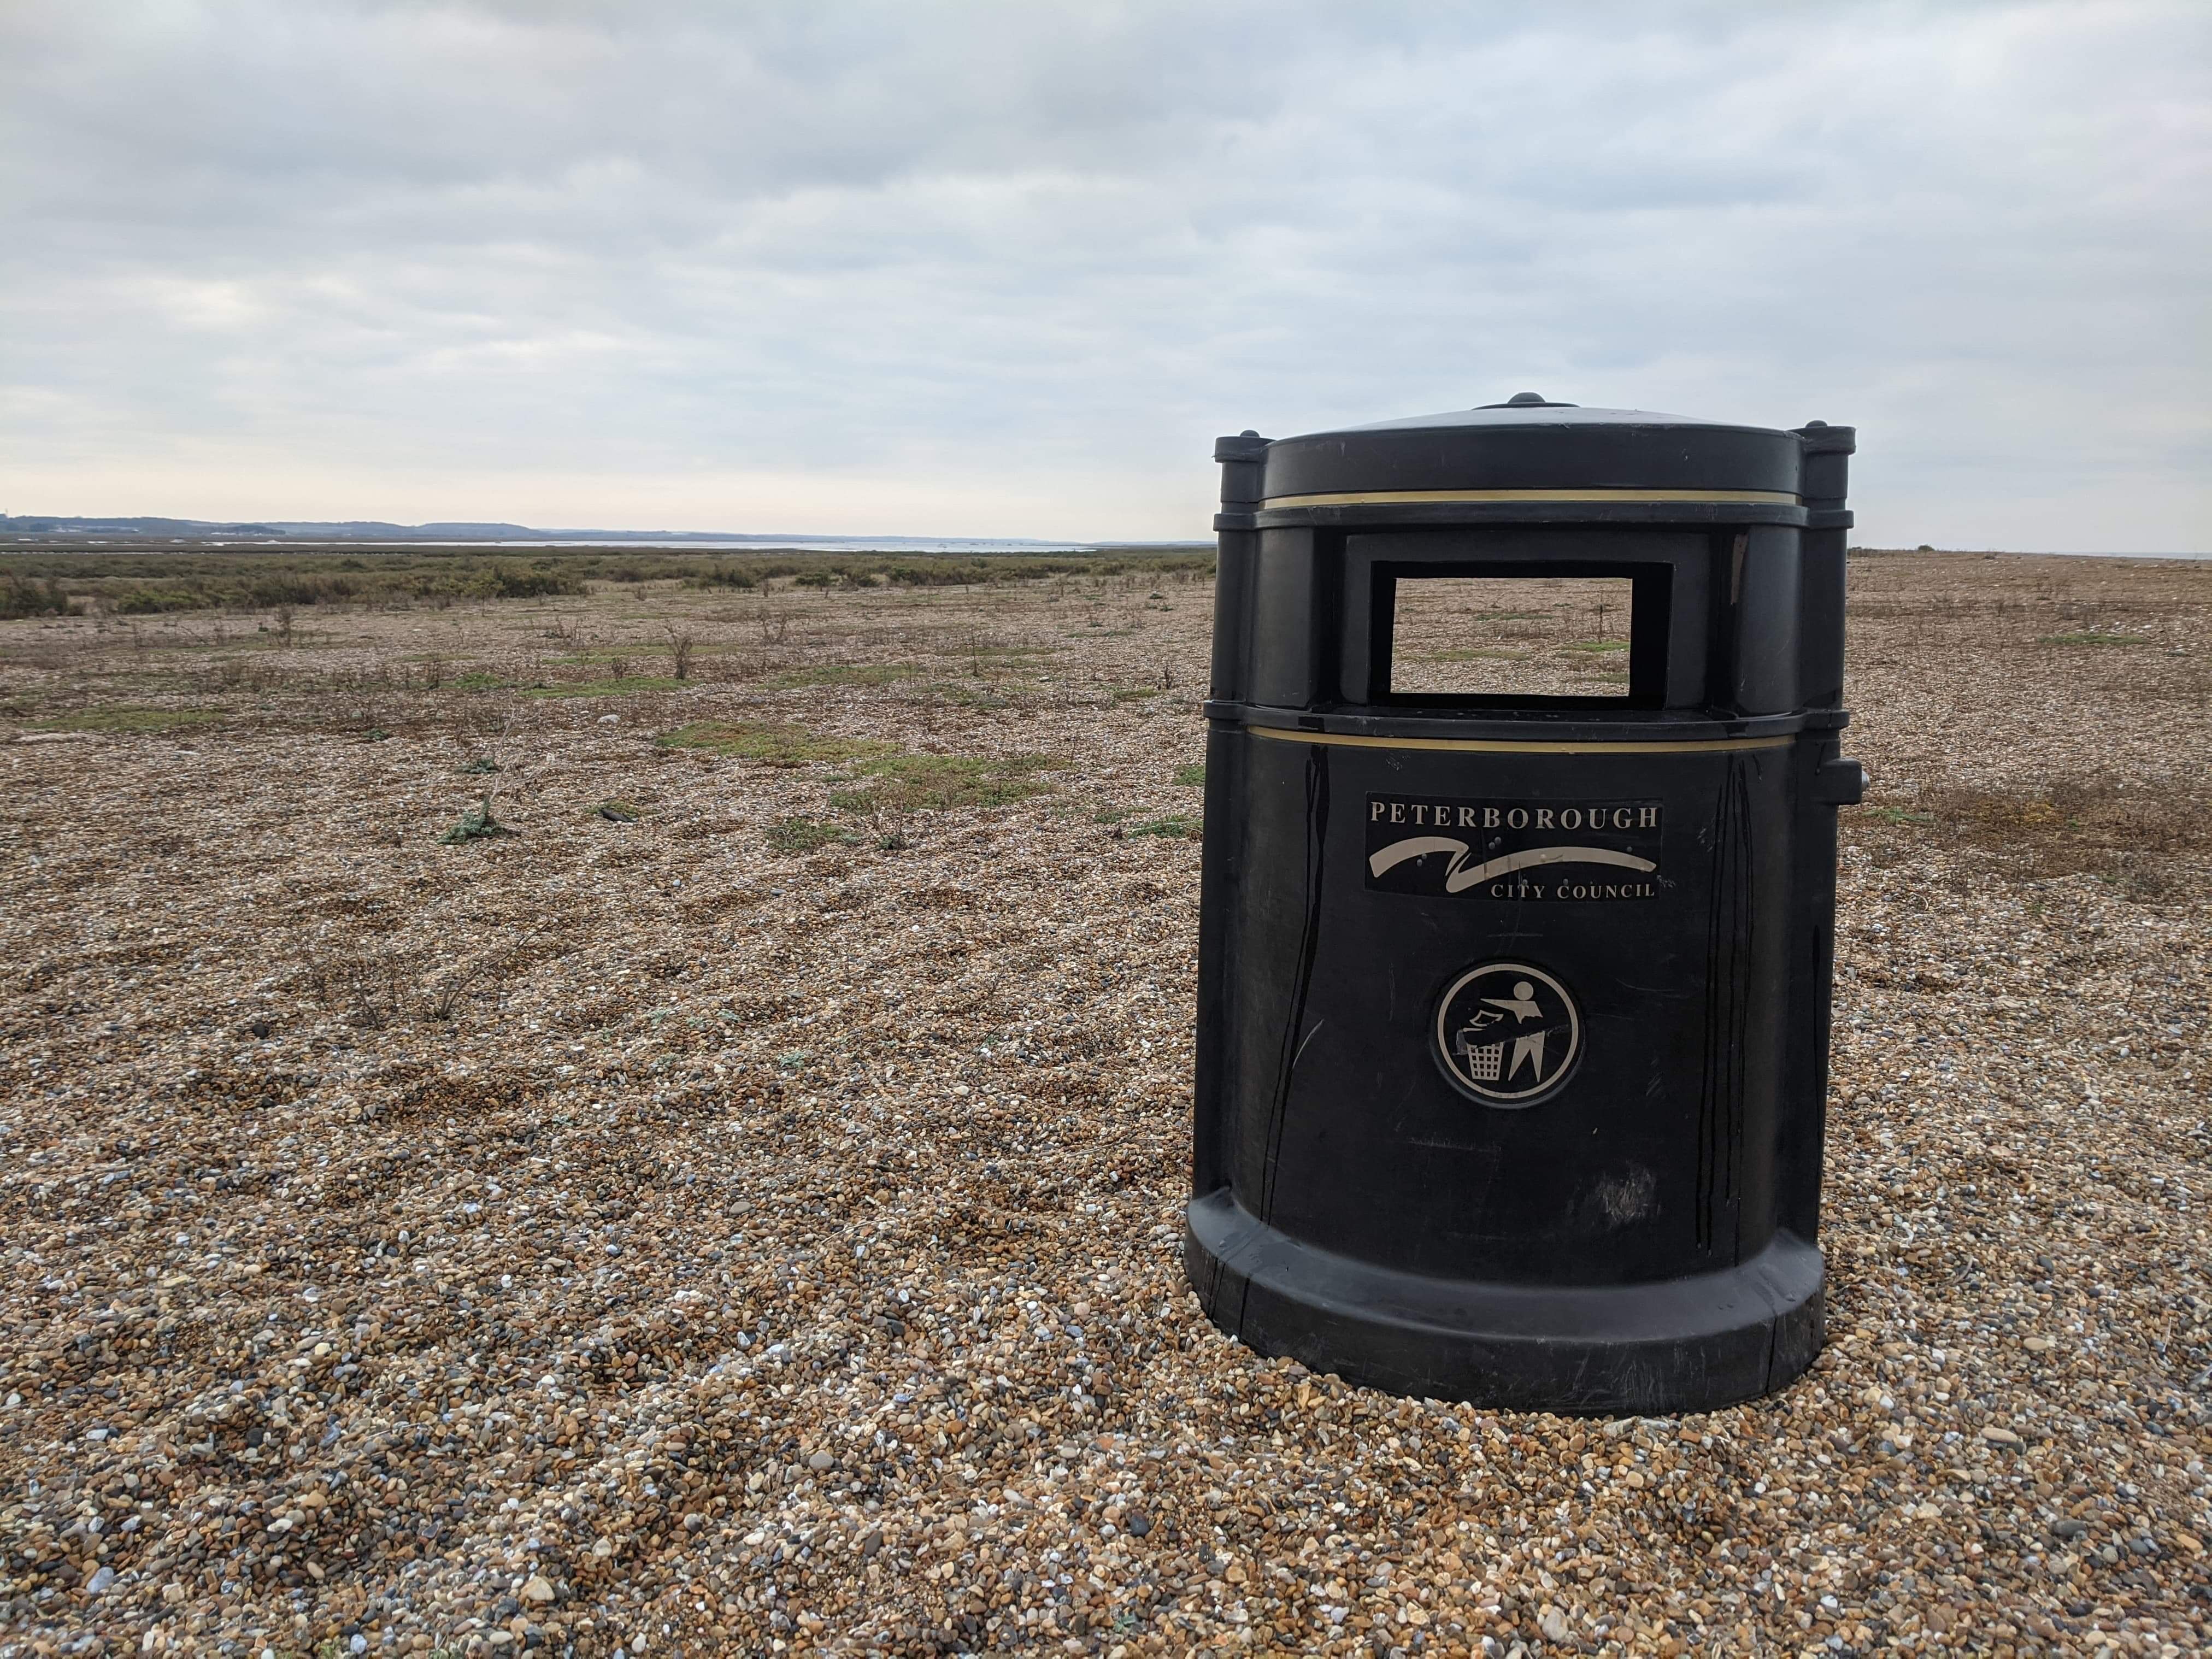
1536,638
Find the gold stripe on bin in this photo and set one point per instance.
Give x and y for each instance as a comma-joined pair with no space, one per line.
1514,746
1629,497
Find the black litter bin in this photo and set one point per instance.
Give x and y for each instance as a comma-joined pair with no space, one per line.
1517,907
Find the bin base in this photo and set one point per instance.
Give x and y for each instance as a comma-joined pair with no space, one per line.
1681,1345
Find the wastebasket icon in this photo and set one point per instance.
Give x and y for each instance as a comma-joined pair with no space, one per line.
1518,903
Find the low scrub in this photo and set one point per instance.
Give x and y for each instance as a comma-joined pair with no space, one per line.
131,579
476,824
20,596
130,720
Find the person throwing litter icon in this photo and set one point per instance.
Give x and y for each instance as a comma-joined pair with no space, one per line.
1499,1045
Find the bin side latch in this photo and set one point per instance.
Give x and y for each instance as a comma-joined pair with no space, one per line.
1839,783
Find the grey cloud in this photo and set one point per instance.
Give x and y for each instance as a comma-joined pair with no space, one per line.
1052,250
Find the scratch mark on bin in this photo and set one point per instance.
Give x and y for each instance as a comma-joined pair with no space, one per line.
1727,1002
1309,946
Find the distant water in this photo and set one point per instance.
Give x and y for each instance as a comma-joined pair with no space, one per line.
2028,553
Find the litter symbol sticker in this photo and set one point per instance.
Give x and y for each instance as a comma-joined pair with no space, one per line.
1508,1033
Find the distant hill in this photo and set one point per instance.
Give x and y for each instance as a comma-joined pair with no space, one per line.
375,529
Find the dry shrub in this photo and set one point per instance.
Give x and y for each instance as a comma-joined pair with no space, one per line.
367,993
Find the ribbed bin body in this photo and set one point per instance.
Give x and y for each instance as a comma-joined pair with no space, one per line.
1513,1016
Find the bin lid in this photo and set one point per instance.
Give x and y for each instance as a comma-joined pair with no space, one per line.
1531,442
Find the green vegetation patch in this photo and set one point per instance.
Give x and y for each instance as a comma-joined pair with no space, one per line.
773,743
1470,653
2093,639
130,720
868,673
476,824
968,697
938,783
618,811
1596,645
131,578
1172,829
614,688
20,598
1191,777
809,836
1135,693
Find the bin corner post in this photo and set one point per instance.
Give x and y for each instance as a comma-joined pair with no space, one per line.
1824,483
1241,457
1825,487
1237,548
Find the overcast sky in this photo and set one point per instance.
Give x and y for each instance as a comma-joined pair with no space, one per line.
1006,269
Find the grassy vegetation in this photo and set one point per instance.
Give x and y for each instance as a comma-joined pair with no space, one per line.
1191,777
871,673
126,719
772,743
809,836
878,778
1174,829
614,688
938,783
133,581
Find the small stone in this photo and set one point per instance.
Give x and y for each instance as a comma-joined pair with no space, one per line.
538,1590
359,1643
97,1583
1997,1435
2039,1344
1138,1523
819,1461
1553,1624
2069,1527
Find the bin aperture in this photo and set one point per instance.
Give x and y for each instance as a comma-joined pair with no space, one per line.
1494,636
1516,944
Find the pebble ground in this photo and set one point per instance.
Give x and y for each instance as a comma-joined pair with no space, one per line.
736,1222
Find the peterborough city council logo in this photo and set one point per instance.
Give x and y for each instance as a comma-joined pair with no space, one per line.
1507,1032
